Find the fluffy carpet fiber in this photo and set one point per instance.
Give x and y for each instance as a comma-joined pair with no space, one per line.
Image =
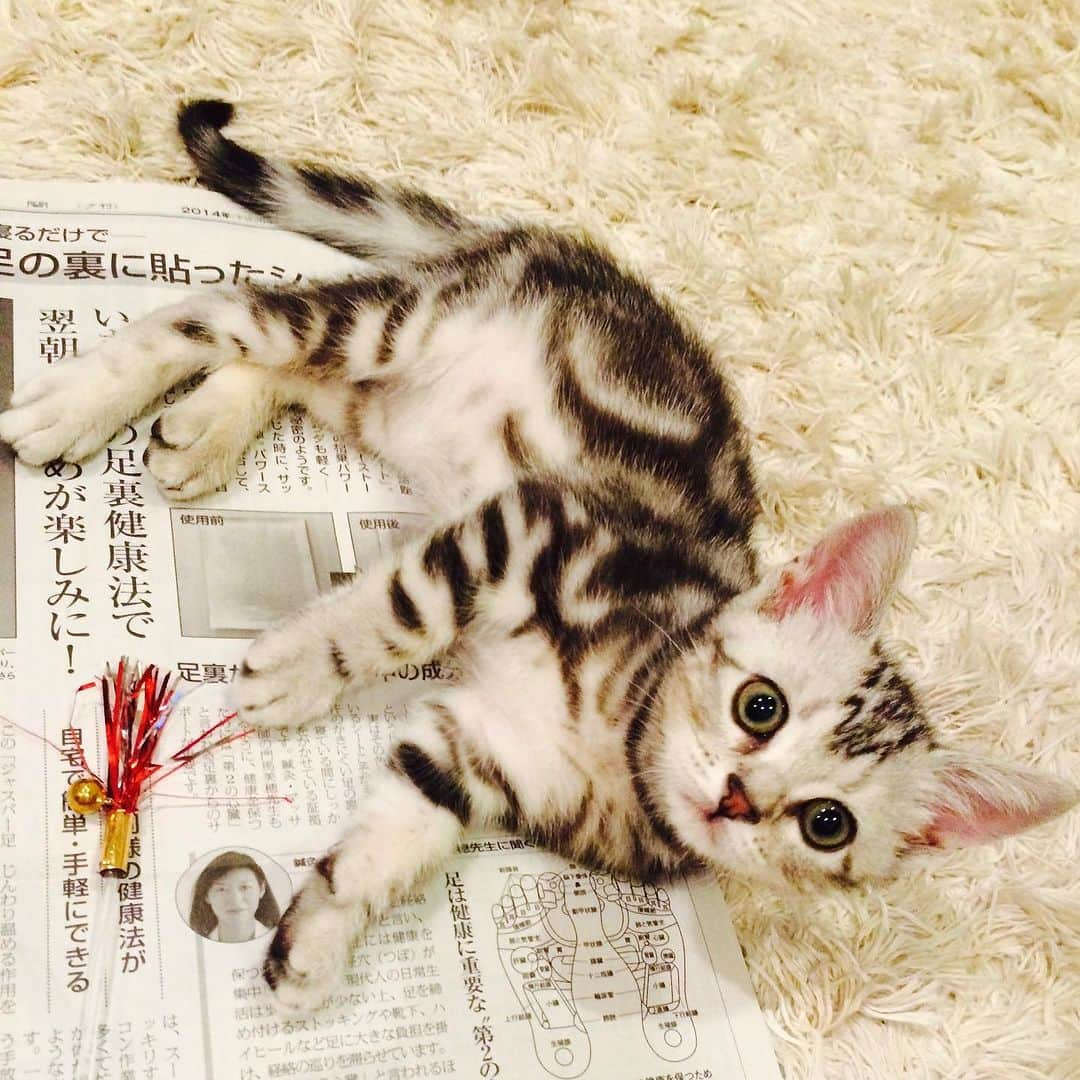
873,210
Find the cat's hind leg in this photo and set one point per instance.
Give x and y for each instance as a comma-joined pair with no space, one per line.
283,346
71,410
195,443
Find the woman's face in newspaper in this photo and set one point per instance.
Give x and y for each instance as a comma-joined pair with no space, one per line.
235,896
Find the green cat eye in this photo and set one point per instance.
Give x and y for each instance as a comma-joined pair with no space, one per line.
826,824
759,707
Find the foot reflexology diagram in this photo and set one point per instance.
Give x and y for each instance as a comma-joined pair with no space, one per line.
581,948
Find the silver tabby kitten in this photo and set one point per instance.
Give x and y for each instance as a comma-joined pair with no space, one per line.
635,694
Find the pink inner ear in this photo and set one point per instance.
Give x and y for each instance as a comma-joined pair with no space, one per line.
989,802
848,573
985,821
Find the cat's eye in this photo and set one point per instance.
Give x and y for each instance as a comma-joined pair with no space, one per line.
826,824
760,708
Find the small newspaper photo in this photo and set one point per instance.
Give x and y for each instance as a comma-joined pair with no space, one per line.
507,962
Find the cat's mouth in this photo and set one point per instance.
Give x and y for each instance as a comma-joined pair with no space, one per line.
734,806
704,810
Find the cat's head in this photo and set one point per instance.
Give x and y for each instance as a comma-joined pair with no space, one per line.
794,750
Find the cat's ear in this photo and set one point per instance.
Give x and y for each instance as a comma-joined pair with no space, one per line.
973,800
850,573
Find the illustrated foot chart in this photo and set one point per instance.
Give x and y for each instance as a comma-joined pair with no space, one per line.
537,943
581,948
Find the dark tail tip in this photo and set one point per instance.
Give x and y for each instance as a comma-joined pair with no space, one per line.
222,164
197,119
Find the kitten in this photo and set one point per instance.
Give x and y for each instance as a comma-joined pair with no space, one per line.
635,695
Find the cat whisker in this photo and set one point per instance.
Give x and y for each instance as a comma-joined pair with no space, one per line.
679,649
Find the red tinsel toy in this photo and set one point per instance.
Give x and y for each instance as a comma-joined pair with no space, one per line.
138,702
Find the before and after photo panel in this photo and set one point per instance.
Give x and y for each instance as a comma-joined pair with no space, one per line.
377,534
239,572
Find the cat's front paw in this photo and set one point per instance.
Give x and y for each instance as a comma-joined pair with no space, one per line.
69,412
307,959
290,675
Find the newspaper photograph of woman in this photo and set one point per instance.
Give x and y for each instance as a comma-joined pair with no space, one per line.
232,899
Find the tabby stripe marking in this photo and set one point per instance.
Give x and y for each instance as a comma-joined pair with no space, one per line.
496,542
325,869
443,556
517,450
426,208
341,665
295,309
447,725
635,735
682,465
547,568
403,607
436,784
488,772
873,677
559,834
195,331
345,192
328,355
396,316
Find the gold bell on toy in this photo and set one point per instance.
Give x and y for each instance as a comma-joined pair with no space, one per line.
86,796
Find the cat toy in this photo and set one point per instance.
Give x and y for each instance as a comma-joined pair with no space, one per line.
138,703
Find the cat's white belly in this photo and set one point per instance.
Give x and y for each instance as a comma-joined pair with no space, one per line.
515,709
445,416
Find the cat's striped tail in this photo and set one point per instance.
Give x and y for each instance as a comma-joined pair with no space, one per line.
362,217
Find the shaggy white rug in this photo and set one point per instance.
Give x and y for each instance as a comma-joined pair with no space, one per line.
874,209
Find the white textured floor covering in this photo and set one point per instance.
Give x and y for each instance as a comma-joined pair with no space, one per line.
874,209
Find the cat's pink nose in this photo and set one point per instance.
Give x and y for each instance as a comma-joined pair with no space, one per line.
736,804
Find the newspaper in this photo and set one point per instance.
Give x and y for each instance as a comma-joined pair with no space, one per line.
509,962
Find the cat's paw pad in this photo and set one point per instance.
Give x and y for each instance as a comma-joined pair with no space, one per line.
289,676
307,959
69,412
187,460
